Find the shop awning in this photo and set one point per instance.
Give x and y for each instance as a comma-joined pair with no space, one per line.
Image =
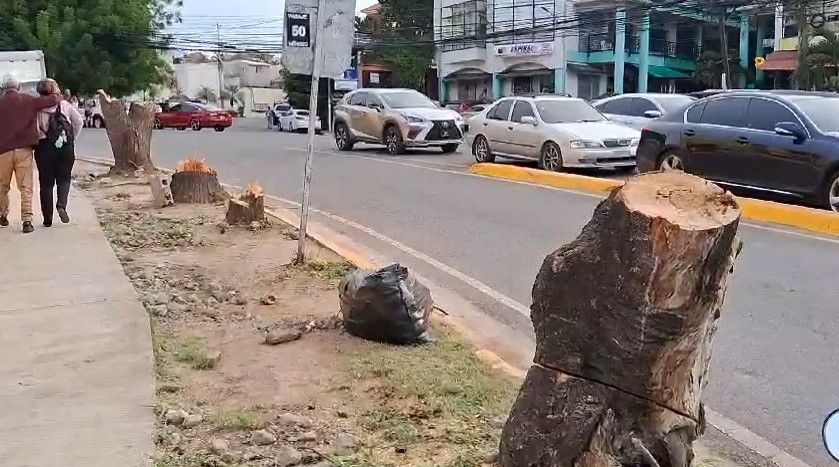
666,72
783,60
584,68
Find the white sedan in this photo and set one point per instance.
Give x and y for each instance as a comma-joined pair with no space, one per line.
298,120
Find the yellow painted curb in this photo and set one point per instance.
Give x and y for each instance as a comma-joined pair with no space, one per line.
815,220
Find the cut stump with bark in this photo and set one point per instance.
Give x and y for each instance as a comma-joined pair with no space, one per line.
624,318
129,134
195,182
250,207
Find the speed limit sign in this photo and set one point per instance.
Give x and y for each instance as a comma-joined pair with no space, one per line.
298,29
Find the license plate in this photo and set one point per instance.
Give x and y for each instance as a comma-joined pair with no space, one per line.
622,153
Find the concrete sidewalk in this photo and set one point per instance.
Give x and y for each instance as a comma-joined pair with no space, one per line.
76,364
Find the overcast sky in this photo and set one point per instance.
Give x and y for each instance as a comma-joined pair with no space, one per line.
241,8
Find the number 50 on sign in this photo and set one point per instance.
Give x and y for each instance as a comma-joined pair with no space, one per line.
298,27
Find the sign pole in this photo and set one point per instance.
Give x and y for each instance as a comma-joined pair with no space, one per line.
310,146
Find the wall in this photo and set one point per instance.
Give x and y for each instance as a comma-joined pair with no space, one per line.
191,77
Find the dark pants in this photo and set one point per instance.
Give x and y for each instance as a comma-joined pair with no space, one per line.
55,167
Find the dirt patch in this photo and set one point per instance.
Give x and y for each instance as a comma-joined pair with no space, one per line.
220,296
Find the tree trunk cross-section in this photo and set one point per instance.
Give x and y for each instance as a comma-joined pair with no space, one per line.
197,187
624,318
129,134
249,208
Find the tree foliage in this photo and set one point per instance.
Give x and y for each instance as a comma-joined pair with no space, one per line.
93,44
207,94
402,37
710,67
298,89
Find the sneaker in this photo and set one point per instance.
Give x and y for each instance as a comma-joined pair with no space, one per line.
62,213
27,227
4,221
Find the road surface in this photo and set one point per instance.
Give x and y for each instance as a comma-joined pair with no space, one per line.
776,366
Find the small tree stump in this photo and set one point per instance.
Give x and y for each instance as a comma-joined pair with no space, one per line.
249,208
624,318
197,187
129,135
160,191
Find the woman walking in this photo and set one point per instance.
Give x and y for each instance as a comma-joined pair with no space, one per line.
55,154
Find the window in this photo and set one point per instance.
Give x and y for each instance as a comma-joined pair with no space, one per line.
522,109
724,111
694,114
501,111
567,111
406,99
764,115
619,106
188,108
373,100
522,85
822,111
640,106
467,19
359,98
522,21
175,108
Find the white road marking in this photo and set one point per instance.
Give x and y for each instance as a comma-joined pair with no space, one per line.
731,428
777,230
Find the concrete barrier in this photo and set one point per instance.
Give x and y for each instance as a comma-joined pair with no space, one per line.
815,220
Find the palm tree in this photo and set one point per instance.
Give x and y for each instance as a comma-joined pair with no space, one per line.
230,92
207,94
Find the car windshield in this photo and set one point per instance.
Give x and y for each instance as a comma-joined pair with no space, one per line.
304,113
407,100
674,102
823,111
567,111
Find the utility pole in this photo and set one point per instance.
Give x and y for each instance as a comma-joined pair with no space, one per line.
220,66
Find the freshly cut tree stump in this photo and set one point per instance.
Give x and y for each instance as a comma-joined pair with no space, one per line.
195,182
250,207
129,135
624,318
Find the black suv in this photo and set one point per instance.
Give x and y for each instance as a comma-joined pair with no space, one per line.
778,142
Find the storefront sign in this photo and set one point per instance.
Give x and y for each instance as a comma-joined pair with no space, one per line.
523,50
298,27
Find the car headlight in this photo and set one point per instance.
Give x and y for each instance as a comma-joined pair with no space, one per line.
584,144
412,119
634,143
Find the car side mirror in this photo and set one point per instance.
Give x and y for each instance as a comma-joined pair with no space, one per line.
830,434
528,120
375,106
791,129
652,114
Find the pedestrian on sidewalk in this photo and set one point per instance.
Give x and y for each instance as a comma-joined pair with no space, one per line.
58,128
18,137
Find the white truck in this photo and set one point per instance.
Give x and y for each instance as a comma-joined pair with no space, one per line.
27,66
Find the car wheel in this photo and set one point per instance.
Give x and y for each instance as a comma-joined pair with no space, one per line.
219,129
195,125
481,151
551,157
181,128
393,140
98,122
449,148
831,199
343,140
671,161
158,125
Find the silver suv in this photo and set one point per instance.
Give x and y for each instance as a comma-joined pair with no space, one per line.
396,118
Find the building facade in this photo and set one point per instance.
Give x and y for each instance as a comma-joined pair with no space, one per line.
586,48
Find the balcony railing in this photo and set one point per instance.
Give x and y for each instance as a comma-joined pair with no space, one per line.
606,42
450,45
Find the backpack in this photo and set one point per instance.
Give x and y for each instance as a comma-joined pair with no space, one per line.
59,126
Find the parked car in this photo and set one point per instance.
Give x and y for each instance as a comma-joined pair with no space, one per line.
557,132
274,114
636,110
297,120
93,114
191,115
396,118
780,142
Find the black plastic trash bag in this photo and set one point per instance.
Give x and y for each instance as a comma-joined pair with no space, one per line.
388,305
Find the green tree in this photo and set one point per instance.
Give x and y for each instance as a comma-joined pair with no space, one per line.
92,44
207,94
406,43
298,89
710,67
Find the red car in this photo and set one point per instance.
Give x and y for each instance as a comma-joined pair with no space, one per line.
193,115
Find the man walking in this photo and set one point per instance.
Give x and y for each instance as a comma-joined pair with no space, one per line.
18,136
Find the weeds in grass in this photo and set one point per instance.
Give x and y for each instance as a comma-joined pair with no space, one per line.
193,352
243,420
329,271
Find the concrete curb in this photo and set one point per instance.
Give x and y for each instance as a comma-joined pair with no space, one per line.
778,213
490,358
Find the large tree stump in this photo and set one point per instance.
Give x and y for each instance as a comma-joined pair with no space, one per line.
129,134
195,182
250,207
624,318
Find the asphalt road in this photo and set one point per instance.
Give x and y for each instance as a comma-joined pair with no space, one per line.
775,370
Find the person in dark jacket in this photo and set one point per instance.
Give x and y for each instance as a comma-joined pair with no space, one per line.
18,137
55,158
